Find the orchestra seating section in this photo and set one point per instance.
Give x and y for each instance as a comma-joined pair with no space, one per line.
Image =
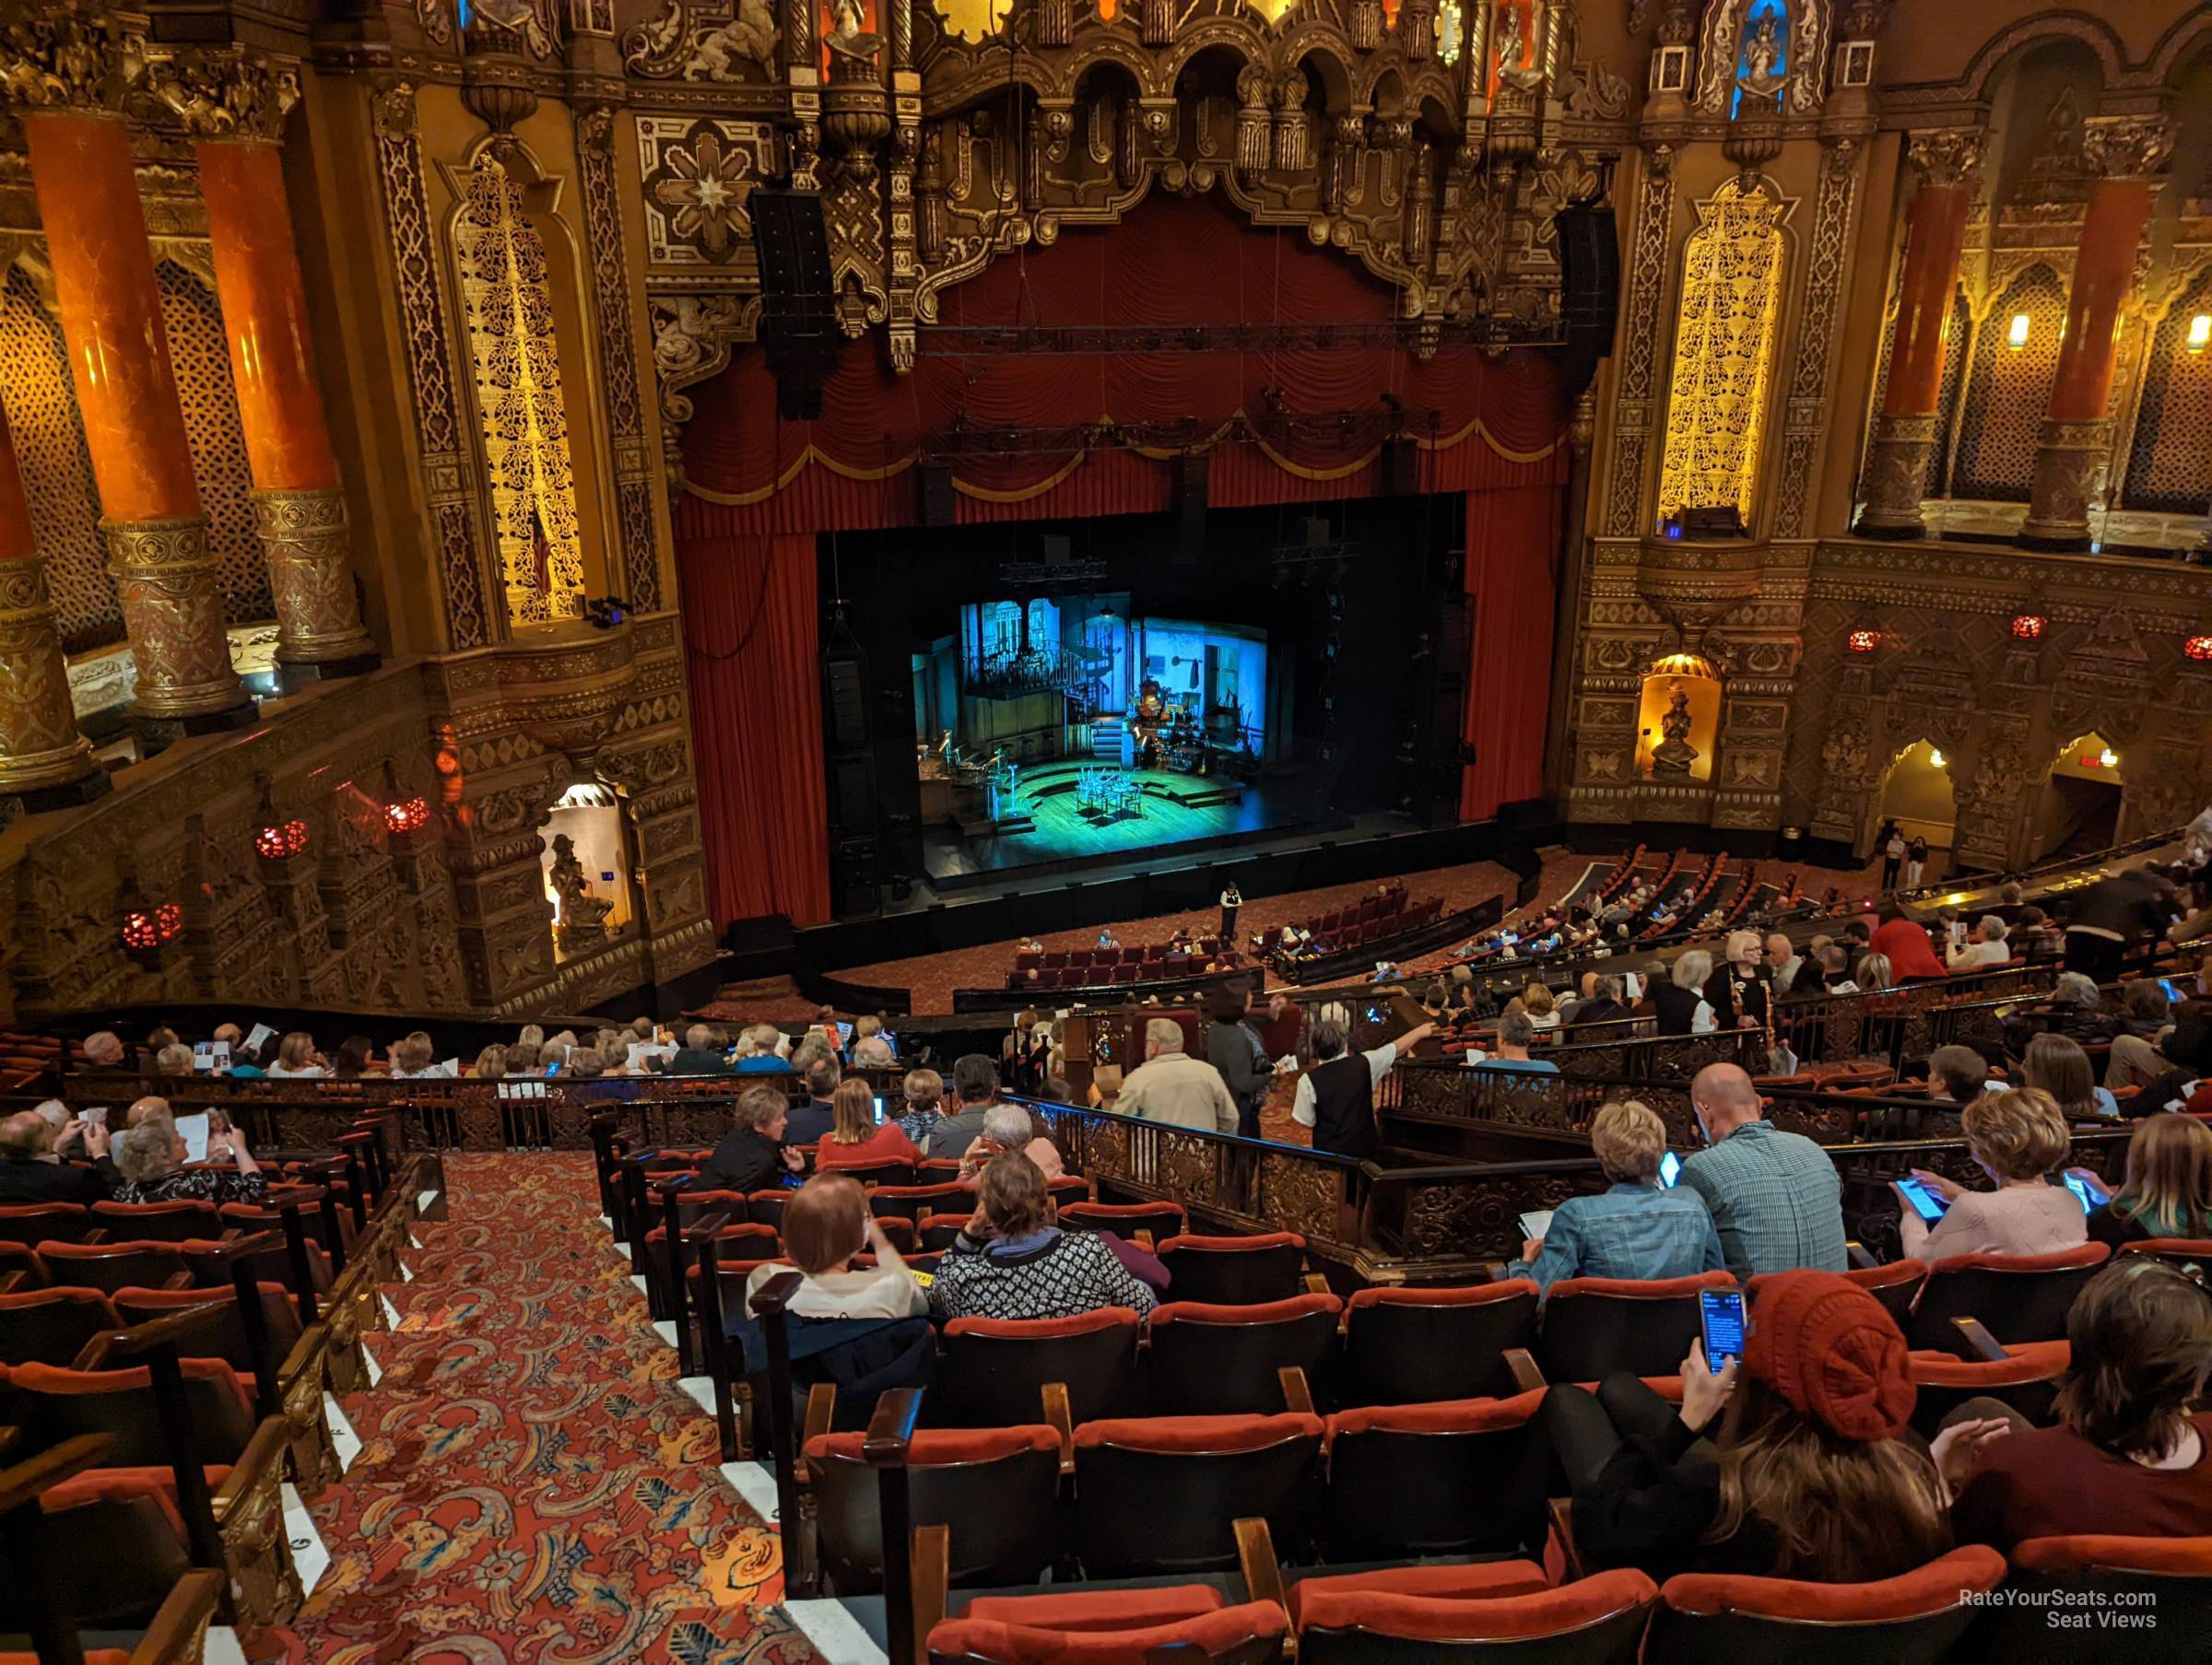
1039,970
1373,920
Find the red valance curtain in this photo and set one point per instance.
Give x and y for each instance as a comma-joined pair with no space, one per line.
752,652
1512,580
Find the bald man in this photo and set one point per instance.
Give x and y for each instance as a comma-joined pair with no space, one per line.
1784,961
1775,1197
28,1172
103,1049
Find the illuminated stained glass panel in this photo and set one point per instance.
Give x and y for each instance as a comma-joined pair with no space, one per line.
1724,354
974,20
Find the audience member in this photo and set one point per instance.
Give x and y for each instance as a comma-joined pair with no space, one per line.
923,1091
1875,973
1509,1050
856,1140
2057,1064
752,1156
2187,1050
699,1055
2131,1455
1986,944
1537,1001
1336,1097
355,1057
523,1059
297,1057
1011,1261
491,1065
1737,990
104,1049
1797,1471
1008,1127
1680,996
1783,963
1906,947
1233,1047
813,1120
173,1061
31,1169
975,1083
151,1154
2016,1138
415,1059
872,1049
1956,1075
1173,1086
1636,1229
2104,918
2168,1191
826,1226
761,1051
1603,1007
1775,1197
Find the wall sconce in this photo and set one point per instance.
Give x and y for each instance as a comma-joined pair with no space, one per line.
2108,759
2028,626
1937,758
1862,641
2016,334
279,839
2198,647
2200,332
145,929
407,815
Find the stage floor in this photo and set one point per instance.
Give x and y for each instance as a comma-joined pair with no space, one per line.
1046,825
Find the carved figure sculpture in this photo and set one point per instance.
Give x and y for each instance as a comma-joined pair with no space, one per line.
1674,754
583,923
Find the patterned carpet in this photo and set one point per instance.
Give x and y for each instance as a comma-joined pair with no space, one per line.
533,1487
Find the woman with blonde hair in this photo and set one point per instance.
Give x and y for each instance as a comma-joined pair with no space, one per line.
1542,1006
491,1063
1737,989
2167,1192
1636,1229
1876,973
297,1057
871,1047
2057,1064
2017,1138
855,1140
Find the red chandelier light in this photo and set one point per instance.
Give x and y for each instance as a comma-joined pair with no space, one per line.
1862,641
146,929
407,815
2198,647
2028,626
279,839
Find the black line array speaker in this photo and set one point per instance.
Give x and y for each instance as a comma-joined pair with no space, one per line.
1192,468
799,333
1399,468
1589,272
940,502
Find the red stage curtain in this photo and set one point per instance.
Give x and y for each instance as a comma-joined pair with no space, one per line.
752,651
1512,579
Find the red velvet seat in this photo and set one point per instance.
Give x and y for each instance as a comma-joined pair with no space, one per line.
995,1370
211,1261
52,1326
2165,1580
1218,1470
2191,1255
1489,1610
223,1337
22,1262
113,1546
112,1266
1895,1284
1187,1624
1234,1272
766,1207
2026,1380
2017,1298
934,1233
874,1173
1914,1619
996,1488
1216,1361
1422,1479
53,1403
31,1224
1408,1346
158,1222
911,1201
1163,1220
1594,1325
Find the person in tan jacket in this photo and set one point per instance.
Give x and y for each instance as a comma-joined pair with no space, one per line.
1173,1086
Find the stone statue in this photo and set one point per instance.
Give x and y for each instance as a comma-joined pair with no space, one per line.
1674,754
1514,69
1763,75
582,921
852,48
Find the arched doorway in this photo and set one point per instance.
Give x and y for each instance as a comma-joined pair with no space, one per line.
1917,795
2079,809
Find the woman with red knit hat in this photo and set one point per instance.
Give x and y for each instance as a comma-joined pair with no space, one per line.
1793,1471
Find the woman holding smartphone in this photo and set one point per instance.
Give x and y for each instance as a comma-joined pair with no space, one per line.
2016,1138
1786,1463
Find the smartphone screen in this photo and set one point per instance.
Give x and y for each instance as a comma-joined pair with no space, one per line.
1721,1311
2090,1196
1670,1168
2173,992
1925,1202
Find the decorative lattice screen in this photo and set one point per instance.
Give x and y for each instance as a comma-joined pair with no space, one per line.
2008,388
2170,462
57,469
200,359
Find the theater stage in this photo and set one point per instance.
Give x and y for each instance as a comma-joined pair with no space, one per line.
1048,823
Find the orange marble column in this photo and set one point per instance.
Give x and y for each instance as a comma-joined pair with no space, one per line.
41,752
1905,430
299,505
2123,153
103,272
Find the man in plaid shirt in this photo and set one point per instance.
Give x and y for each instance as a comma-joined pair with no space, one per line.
1776,1198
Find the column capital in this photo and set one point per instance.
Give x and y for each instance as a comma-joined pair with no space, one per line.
1948,158
55,58
227,93
2127,146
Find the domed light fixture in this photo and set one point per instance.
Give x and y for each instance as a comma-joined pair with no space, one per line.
1862,641
2028,626
2200,332
2016,333
407,815
2198,647
279,839
2108,759
1937,758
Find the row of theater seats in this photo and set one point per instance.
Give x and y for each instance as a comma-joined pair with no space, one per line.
1096,968
163,1373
